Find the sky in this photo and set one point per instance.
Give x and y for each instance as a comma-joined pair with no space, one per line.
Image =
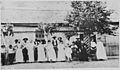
114,5
24,11
35,11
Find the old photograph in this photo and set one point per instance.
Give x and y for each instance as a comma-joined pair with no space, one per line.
59,34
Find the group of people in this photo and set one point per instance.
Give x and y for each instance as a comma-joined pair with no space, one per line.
99,49
50,50
85,52
7,30
34,51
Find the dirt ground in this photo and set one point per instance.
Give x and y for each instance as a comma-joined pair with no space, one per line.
111,62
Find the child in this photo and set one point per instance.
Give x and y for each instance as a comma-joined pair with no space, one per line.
10,54
68,52
3,55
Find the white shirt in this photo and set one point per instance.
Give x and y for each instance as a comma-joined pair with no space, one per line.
3,50
75,46
93,44
10,51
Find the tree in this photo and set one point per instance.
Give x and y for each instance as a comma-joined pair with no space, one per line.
90,16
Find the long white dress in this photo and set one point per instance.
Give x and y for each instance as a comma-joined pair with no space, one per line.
68,52
61,52
31,52
19,55
41,53
100,53
50,52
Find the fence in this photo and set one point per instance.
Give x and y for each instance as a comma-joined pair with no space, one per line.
112,49
112,45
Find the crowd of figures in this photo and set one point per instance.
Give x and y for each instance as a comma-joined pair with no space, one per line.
49,51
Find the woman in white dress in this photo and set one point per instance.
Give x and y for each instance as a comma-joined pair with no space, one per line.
31,51
41,52
19,55
61,51
68,52
50,51
100,53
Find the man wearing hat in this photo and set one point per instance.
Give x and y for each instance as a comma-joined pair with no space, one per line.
36,43
15,46
55,44
25,50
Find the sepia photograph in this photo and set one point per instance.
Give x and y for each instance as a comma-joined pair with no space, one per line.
59,34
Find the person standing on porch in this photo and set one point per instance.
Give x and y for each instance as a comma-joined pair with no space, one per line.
25,50
100,53
61,51
92,53
18,55
41,52
3,54
36,51
68,53
50,51
83,52
10,54
31,51
55,44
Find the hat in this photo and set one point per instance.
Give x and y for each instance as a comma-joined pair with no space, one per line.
25,39
16,40
2,46
54,36
49,40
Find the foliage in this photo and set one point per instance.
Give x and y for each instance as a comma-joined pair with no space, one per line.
70,34
91,16
47,28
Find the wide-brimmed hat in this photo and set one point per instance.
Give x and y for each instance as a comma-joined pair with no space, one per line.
2,46
25,39
54,37
49,40
16,40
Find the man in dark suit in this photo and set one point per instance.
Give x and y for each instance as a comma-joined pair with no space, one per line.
55,44
78,43
25,50
3,55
